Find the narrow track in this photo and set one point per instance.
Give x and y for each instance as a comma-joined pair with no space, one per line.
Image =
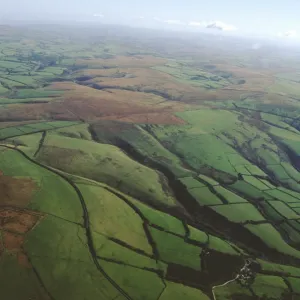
41,143
216,286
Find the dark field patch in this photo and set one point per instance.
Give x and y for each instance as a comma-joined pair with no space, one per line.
217,268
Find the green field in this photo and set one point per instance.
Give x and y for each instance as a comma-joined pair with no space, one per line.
172,249
104,163
114,211
239,213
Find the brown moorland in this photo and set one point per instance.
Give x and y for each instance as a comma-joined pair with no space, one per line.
91,104
86,103
16,191
14,225
157,82
18,221
127,89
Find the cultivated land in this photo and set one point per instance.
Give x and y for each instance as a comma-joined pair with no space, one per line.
135,166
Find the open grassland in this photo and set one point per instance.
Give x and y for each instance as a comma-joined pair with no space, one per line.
115,221
105,163
269,286
239,213
173,249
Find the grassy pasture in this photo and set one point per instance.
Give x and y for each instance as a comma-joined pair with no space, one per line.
269,286
291,171
67,280
239,213
254,170
32,128
219,245
232,289
163,220
282,86
198,235
117,220
179,291
292,232
249,190
278,268
66,242
256,183
51,187
80,131
229,196
27,143
204,196
105,163
173,249
284,209
295,284
7,132
138,283
191,183
208,180
143,142
62,258
107,249
193,76
272,238
282,195
3,90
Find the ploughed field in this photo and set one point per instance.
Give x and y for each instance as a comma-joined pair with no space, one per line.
138,167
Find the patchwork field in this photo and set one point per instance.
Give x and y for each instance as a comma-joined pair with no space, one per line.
134,166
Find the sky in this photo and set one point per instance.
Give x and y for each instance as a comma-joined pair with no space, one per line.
271,17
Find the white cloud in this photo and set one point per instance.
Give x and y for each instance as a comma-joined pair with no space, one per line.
174,22
196,23
98,15
220,26
289,34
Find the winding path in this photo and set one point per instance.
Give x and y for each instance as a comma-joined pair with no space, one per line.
227,282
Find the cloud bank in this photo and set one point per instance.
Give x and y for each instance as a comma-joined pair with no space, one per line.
174,22
216,25
288,34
